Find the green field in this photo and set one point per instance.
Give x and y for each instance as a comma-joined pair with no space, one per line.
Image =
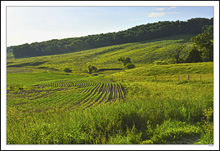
141,53
150,104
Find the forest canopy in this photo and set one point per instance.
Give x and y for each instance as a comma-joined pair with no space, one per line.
135,34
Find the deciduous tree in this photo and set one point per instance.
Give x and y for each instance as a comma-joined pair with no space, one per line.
91,69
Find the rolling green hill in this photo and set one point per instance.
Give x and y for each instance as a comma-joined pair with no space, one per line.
158,102
144,52
136,34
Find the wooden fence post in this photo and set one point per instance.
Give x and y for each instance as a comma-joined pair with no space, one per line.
188,76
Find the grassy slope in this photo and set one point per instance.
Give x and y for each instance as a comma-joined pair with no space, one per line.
106,57
171,69
175,111
195,71
181,110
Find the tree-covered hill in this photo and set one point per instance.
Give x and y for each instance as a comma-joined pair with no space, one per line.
141,53
139,33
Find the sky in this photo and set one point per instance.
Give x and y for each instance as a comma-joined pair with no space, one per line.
36,24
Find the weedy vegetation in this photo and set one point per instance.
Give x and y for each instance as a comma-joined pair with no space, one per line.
61,99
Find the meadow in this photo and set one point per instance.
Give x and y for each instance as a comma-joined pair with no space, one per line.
141,53
150,104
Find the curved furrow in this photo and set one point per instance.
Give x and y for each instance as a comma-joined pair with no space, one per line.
101,93
110,93
96,98
87,96
75,98
91,97
115,93
119,95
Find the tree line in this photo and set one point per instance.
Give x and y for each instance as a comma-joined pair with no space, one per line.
201,50
135,34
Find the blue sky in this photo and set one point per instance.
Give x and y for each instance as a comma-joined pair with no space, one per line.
36,24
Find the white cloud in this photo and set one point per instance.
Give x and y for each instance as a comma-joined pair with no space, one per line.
172,12
160,9
171,7
160,14
156,14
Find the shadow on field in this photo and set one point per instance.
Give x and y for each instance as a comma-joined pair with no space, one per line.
109,69
172,37
27,64
47,68
129,120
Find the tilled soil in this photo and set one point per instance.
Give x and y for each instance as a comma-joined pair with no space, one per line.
98,93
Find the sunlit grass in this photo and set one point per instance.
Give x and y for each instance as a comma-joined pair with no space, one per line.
148,106
104,57
161,104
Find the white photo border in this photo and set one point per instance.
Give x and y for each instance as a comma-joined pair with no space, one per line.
5,4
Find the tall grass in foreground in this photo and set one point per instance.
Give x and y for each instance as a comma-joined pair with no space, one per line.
153,112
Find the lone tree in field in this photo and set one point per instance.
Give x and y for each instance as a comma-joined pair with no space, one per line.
91,69
176,53
126,62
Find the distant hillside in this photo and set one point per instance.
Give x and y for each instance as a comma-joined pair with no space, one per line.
10,49
141,53
10,52
139,33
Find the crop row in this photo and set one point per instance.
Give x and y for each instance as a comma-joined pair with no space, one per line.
91,93
101,92
68,83
78,95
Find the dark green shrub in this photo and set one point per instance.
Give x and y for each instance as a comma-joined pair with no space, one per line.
92,68
129,66
67,70
16,87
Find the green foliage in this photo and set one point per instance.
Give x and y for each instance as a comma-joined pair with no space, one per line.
176,53
145,52
194,55
207,134
147,142
17,87
204,44
127,107
161,62
124,60
135,34
129,66
67,70
208,28
153,112
175,132
92,68
208,114
207,127
170,69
